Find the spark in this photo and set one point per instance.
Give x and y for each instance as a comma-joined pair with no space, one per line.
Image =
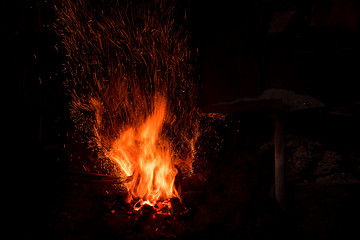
126,65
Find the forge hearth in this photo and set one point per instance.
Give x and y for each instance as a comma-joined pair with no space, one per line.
229,195
223,198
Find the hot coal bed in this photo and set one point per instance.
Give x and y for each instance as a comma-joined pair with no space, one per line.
278,78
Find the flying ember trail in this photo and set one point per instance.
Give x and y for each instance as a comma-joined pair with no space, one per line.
132,88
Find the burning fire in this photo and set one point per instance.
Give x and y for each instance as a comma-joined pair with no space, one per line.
146,159
132,88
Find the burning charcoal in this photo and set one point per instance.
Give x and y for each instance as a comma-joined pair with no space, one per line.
137,205
147,210
176,205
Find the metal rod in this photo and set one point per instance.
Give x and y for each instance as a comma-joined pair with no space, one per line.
279,161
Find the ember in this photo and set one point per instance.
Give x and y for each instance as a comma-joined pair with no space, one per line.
132,89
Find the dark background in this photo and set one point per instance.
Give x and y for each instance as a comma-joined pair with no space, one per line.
245,47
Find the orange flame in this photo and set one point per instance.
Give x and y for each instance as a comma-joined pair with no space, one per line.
132,87
146,159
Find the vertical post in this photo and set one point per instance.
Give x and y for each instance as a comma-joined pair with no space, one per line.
279,161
